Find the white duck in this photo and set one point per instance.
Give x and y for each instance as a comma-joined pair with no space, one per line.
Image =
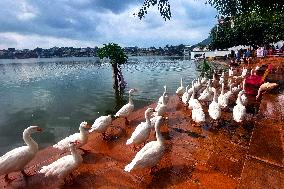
244,72
265,87
214,108
181,89
256,68
185,96
239,110
221,80
190,90
18,158
223,99
161,108
62,167
142,131
197,114
164,96
127,108
229,93
231,72
203,80
229,82
236,89
81,137
193,102
214,80
207,94
151,153
197,85
243,98
101,124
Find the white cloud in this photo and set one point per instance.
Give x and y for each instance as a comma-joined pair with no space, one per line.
26,11
81,23
21,41
153,30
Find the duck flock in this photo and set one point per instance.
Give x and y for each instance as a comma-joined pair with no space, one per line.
203,93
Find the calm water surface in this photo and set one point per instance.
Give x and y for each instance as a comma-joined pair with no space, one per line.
58,94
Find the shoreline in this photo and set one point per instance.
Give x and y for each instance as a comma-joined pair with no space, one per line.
233,156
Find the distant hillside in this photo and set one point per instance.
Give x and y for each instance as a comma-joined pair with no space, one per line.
205,42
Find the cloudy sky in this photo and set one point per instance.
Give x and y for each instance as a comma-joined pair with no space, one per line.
82,23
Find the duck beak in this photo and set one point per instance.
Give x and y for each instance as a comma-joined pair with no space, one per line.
88,127
39,129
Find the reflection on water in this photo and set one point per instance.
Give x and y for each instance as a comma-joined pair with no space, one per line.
57,94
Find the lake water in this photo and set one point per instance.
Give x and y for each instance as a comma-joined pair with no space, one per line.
57,94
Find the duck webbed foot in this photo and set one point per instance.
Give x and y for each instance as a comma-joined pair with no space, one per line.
68,180
26,175
7,179
105,137
153,169
85,151
215,123
127,121
135,148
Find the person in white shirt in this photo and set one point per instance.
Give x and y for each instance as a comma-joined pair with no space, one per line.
259,52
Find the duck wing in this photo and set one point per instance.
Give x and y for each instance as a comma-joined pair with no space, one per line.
185,97
64,143
149,155
100,124
198,115
141,132
214,110
125,110
60,167
16,159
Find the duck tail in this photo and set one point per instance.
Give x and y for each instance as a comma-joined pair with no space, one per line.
42,170
129,141
129,167
114,117
91,130
57,146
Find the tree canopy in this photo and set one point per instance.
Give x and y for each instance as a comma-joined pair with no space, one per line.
245,22
224,7
249,28
117,57
239,7
163,7
114,52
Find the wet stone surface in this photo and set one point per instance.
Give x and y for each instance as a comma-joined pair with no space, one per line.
266,143
258,174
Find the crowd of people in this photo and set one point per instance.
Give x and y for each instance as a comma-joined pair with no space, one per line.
246,55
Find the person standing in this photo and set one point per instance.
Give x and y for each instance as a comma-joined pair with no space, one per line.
259,52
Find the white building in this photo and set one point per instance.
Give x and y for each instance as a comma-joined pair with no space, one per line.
208,54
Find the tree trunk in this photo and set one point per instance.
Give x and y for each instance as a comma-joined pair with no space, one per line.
118,89
115,76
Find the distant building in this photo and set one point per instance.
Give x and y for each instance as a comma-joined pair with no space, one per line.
186,50
11,49
208,54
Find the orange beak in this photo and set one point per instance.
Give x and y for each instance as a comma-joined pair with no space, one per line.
39,129
88,126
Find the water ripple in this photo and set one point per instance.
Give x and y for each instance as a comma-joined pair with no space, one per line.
61,93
